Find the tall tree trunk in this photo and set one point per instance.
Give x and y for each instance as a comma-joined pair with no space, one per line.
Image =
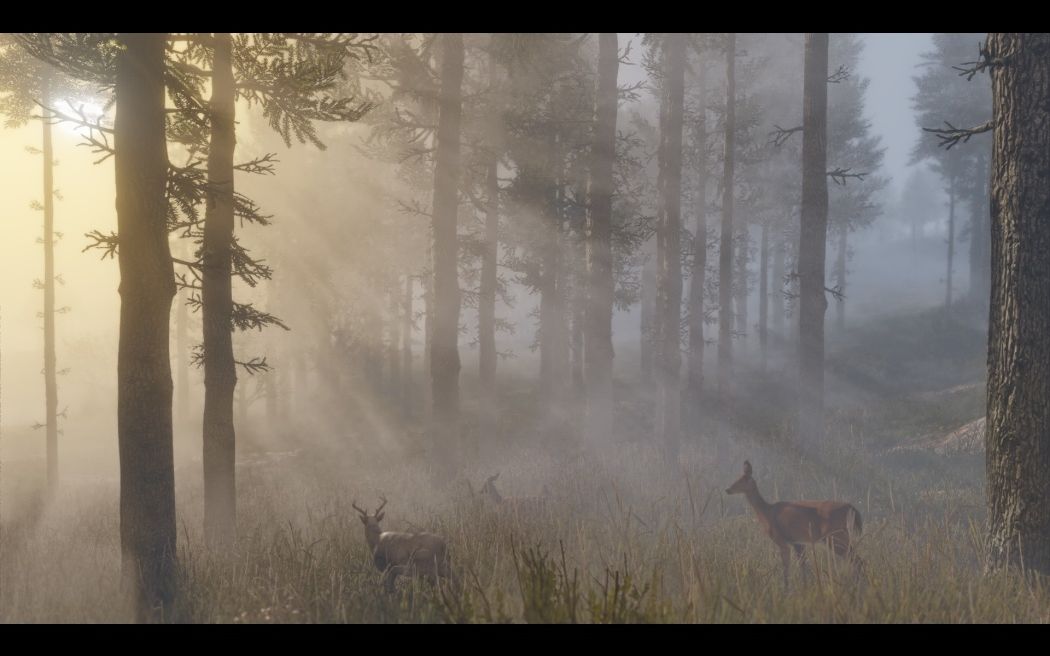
951,243
779,252
444,351
740,282
600,297
725,253
393,352
695,374
577,336
182,369
406,349
50,375
487,301
813,240
147,286
670,413
270,380
1018,438
220,370
647,310
840,278
763,295
554,329
428,334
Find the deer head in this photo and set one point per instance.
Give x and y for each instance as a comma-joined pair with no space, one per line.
743,484
371,521
489,488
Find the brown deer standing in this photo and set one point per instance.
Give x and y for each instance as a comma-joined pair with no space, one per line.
793,524
395,553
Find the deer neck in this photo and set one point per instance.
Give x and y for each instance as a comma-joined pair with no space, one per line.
760,505
372,537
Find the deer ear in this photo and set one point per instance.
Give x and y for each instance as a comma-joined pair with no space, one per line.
747,468
380,516
364,520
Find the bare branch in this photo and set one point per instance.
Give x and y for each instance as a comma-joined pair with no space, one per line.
839,176
840,75
779,136
952,135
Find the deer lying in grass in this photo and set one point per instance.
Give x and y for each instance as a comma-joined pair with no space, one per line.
793,524
396,553
516,505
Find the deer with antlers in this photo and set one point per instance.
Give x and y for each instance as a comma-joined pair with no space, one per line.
517,505
794,524
396,553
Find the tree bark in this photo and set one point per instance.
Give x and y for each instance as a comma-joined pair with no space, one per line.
50,374
1018,438
598,345
725,254
147,286
813,240
220,370
670,413
444,351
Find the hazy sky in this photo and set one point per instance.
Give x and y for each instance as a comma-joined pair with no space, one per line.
889,60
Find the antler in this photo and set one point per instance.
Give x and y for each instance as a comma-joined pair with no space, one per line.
358,508
383,499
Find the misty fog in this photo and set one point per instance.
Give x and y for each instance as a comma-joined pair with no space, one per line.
343,337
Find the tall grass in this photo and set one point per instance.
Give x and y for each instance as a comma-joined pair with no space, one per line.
624,539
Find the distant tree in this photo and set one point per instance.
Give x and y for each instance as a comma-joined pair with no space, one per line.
601,283
814,228
851,147
725,256
670,297
444,351
28,87
945,97
695,308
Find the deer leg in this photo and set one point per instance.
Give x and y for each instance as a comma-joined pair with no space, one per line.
785,559
800,554
390,578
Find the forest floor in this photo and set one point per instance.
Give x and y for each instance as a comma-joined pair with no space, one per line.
622,538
